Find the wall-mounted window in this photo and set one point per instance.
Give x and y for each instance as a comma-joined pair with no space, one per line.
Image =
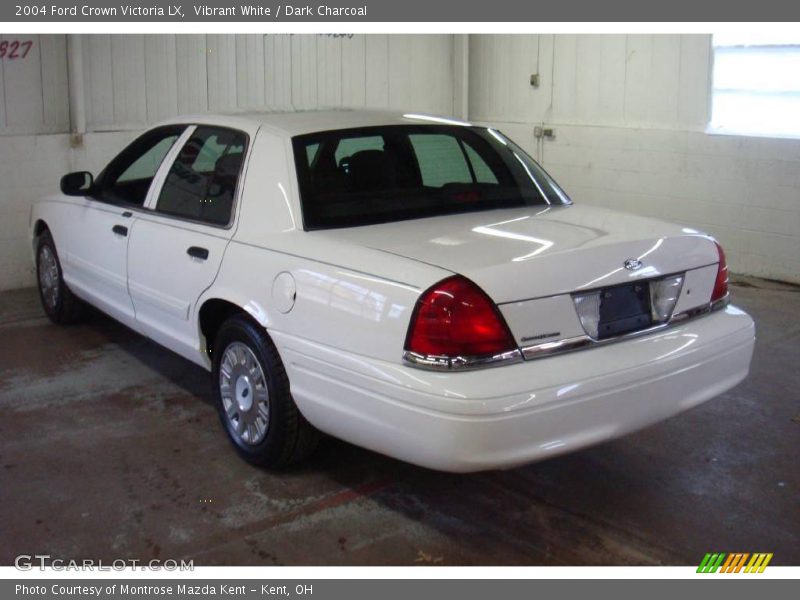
756,85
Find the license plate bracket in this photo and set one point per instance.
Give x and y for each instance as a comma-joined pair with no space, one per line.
624,308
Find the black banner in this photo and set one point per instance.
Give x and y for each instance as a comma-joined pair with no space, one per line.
473,11
733,588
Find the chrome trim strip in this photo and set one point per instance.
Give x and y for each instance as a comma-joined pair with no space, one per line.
582,341
565,345
722,302
460,363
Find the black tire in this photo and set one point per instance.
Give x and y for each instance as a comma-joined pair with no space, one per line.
62,308
288,438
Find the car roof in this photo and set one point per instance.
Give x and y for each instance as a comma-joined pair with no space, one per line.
301,122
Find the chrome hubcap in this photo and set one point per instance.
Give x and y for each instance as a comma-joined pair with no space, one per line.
48,276
244,392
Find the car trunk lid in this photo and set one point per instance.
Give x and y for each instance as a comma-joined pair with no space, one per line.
521,254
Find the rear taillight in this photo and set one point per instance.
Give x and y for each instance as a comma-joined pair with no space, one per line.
721,283
455,318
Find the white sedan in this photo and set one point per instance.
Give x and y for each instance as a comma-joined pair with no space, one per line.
414,285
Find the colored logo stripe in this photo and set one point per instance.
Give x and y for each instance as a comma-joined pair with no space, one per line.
758,563
734,562
711,562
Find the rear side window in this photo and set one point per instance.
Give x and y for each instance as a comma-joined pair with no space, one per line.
480,170
441,159
201,183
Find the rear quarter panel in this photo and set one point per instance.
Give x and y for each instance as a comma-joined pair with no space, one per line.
334,305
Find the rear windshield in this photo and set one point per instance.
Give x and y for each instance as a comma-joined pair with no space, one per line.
372,175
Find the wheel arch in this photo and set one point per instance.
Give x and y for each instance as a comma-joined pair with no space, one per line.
215,309
39,227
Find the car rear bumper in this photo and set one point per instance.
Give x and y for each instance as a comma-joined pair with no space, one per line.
512,415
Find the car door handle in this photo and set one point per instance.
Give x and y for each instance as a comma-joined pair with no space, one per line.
120,229
197,252
127,214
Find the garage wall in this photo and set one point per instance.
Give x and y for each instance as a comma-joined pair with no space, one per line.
131,82
629,113
33,84
136,80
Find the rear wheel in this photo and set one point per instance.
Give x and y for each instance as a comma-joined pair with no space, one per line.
253,399
59,303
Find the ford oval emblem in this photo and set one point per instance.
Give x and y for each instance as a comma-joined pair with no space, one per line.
632,264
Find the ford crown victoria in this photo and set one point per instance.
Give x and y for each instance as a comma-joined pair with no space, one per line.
411,284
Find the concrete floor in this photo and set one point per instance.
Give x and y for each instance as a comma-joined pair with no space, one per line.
110,448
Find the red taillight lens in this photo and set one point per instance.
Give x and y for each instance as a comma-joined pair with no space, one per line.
721,283
456,318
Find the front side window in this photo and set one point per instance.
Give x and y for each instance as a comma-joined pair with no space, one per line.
201,183
127,178
380,174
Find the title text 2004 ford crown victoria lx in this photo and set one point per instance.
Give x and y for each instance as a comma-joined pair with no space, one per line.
411,284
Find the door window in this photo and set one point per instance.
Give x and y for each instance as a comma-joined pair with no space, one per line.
201,183
128,177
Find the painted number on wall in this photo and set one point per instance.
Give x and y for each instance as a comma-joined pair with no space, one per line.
15,49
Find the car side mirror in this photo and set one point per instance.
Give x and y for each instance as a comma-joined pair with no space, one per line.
79,183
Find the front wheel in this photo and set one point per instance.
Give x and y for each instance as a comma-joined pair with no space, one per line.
60,305
253,399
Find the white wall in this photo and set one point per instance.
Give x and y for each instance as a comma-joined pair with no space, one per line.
30,167
33,84
33,100
135,80
629,113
